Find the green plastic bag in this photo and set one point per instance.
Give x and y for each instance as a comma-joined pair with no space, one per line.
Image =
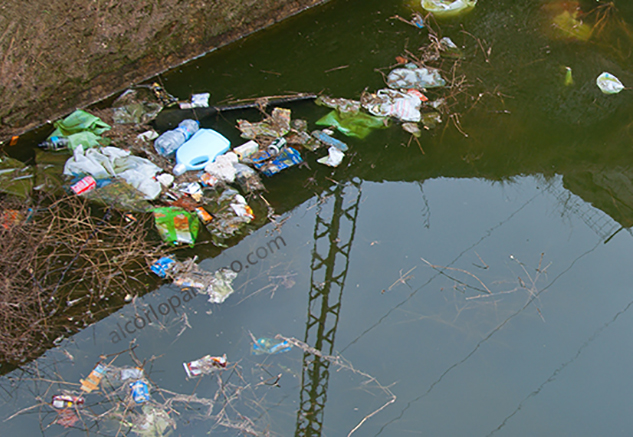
176,225
353,125
83,128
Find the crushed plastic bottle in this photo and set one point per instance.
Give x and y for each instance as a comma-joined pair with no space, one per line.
171,140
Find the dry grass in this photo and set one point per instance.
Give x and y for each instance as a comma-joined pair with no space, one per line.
61,269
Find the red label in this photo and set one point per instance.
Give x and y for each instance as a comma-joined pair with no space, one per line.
86,184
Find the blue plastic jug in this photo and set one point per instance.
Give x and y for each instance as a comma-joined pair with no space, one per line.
201,149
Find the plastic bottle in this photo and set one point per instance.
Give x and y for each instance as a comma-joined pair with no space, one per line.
169,141
55,143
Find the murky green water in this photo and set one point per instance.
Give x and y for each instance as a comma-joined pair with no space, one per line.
485,283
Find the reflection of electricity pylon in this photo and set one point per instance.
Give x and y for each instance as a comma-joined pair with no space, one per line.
333,236
598,221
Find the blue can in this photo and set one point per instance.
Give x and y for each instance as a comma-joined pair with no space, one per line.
140,391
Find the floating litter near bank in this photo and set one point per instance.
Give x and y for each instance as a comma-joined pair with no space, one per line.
609,84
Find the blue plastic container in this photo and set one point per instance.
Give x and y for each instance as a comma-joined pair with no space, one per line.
201,149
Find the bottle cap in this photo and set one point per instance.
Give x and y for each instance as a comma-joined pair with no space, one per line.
179,169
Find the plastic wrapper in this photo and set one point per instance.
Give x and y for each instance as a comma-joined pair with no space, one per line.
67,418
176,226
419,78
412,128
48,172
119,195
430,120
163,266
230,214
276,125
343,106
204,365
270,346
153,422
287,157
187,274
248,179
81,127
93,380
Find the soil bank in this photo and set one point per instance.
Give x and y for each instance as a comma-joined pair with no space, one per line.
58,55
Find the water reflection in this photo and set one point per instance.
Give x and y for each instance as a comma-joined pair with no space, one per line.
333,237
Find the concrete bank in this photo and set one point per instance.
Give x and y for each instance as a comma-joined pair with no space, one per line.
56,56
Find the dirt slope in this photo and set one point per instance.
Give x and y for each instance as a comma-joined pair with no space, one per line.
57,55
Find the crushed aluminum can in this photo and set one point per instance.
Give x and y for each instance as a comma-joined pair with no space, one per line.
139,391
204,365
275,147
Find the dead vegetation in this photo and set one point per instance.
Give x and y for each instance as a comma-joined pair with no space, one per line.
63,266
236,400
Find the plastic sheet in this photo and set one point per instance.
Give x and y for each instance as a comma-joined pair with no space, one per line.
248,179
419,78
136,106
448,8
357,124
230,214
119,195
388,102
111,162
277,125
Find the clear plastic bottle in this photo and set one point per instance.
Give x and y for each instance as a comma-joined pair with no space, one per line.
55,144
169,141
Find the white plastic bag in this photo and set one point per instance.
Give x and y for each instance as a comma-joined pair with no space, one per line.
81,164
333,159
417,78
448,8
109,162
609,84
222,168
392,103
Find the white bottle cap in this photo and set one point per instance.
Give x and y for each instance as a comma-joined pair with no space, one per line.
179,169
